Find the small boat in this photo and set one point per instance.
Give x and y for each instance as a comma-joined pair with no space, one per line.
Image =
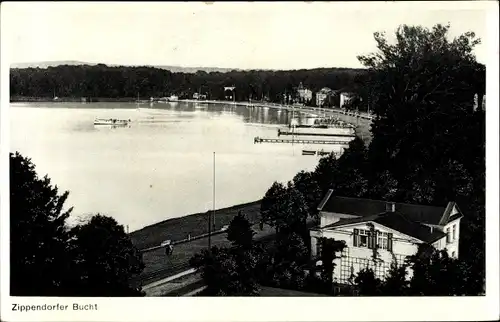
114,122
308,152
173,98
321,153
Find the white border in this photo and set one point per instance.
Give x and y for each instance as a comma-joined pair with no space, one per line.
284,309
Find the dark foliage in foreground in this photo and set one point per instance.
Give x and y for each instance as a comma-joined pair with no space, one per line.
50,259
428,148
433,273
231,271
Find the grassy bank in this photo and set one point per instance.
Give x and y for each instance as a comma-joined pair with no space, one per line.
195,224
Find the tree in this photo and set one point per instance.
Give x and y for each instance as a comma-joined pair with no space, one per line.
436,274
306,184
426,132
346,175
38,255
104,259
424,86
226,272
383,186
240,232
396,282
273,203
326,171
286,267
48,258
367,283
329,249
285,208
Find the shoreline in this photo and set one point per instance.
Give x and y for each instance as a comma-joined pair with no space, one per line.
179,228
361,120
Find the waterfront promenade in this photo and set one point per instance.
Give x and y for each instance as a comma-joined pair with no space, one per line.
361,120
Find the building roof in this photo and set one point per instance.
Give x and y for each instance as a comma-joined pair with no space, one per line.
430,215
325,90
396,221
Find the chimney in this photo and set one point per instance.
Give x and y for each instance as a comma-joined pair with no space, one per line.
390,207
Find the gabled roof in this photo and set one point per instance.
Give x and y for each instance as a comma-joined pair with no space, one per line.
430,215
397,222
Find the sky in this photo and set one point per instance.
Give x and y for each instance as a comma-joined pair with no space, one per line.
254,35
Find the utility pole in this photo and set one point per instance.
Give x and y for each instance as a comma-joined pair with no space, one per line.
213,211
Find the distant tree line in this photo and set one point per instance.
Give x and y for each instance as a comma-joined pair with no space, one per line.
118,82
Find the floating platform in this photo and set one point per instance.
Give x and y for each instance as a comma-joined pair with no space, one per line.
280,132
299,141
323,126
319,153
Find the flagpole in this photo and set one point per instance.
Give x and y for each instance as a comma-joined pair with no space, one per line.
213,221
213,210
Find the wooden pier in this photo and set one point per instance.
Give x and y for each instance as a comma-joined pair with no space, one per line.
280,132
299,141
324,126
320,153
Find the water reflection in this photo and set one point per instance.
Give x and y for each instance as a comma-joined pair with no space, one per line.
161,165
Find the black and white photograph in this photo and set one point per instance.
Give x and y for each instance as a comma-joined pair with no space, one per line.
254,150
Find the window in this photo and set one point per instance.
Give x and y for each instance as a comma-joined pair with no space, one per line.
448,237
382,240
364,238
361,237
453,254
454,229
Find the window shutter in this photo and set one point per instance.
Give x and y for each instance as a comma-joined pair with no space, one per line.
319,242
355,237
375,239
370,239
389,242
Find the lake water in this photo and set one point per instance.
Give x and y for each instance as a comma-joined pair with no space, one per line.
161,166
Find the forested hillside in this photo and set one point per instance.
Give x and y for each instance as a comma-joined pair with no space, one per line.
119,82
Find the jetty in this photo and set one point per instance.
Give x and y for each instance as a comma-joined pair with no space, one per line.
299,141
320,153
323,126
281,132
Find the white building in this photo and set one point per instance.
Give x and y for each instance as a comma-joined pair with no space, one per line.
344,98
377,232
305,94
324,94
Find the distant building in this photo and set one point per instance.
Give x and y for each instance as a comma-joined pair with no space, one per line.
304,94
323,96
344,98
377,232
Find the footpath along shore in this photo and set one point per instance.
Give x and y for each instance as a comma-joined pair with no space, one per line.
361,120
